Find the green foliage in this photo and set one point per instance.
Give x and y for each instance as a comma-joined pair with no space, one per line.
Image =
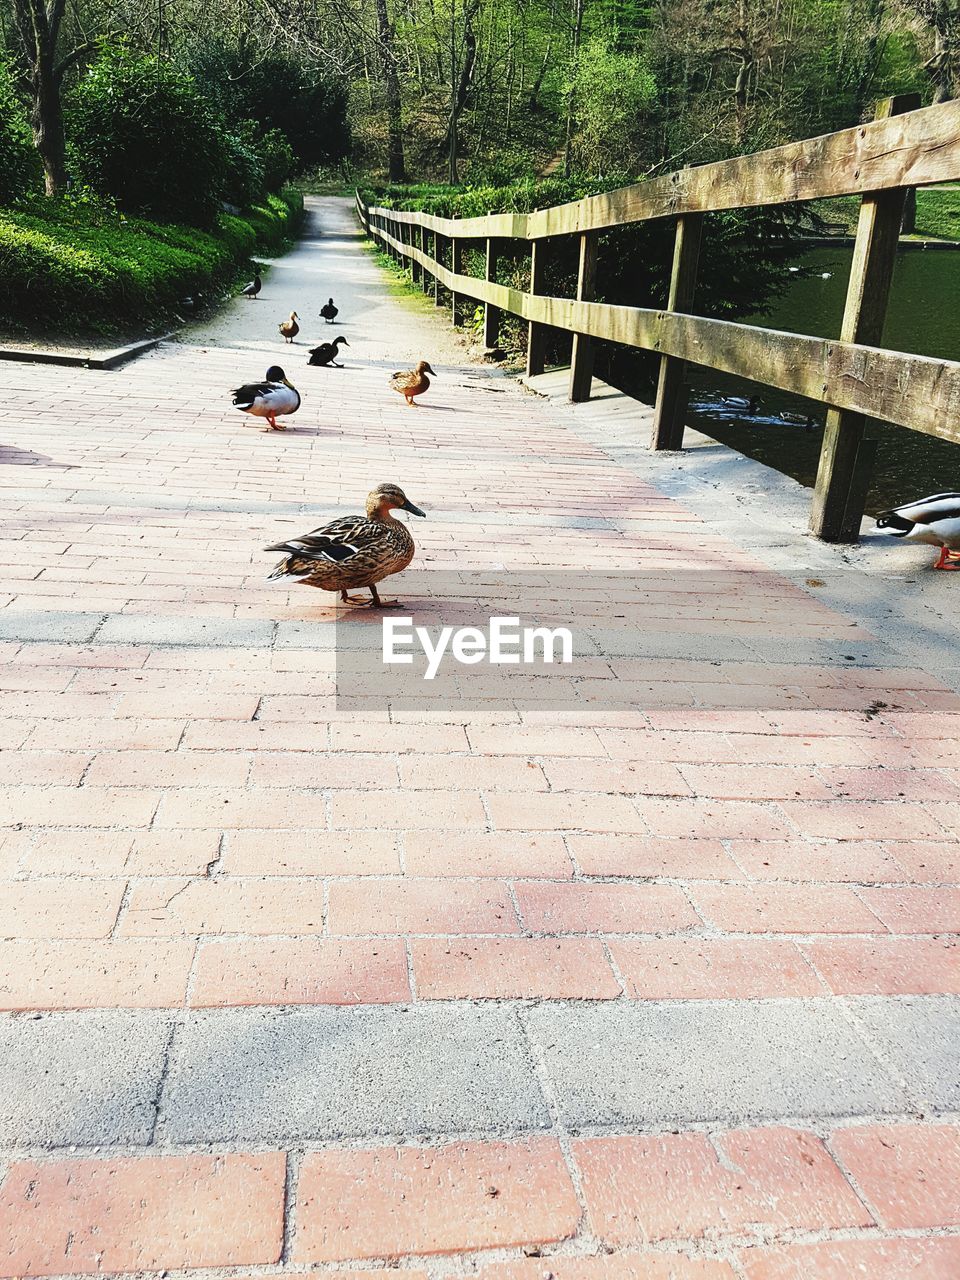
244,180
279,162
79,265
938,212
279,90
612,93
20,171
142,132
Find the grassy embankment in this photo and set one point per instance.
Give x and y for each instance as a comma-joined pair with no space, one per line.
86,269
938,213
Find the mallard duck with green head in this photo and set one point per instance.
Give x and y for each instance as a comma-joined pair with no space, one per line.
353,552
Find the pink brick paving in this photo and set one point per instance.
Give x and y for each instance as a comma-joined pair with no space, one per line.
191,827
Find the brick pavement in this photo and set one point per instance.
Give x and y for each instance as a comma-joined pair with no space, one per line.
756,848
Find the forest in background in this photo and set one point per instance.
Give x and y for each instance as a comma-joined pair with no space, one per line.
123,117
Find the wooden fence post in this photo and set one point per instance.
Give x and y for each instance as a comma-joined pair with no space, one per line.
671,404
581,361
457,311
840,490
416,271
436,279
537,333
424,274
491,314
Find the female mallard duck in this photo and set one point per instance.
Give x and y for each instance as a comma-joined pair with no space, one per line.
289,328
934,520
414,382
268,399
354,551
327,353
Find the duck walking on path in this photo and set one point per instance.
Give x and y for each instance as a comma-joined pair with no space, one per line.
413,382
268,399
252,289
354,551
934,520
289,328
329,311
327,352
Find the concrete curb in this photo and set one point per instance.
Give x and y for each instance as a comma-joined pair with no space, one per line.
109,360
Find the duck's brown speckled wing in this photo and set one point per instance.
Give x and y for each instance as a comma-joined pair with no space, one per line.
353,551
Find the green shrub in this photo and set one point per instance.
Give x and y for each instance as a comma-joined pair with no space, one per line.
244,181
279,90
77,266
278,159
20,171
142,132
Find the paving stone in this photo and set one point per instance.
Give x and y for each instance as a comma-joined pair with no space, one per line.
663,1063
338,1073
88,1079
141,1213
919,1037
57,628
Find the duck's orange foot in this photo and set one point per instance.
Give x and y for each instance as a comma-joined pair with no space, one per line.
948,560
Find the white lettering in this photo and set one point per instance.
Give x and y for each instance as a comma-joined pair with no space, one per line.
391,639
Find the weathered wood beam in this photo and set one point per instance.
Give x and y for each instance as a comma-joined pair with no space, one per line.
491,313
671,403
537,333
436,279
919,392
581,360
868,291
457,300
416,270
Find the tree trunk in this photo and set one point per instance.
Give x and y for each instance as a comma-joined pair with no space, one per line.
396,168
38,29
568,143
46,119
459,88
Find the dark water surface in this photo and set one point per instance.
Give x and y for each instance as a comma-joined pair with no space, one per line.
924,317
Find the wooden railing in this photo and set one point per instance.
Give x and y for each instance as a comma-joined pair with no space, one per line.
880,161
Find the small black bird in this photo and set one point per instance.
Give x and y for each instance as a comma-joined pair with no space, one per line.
329,312
326,353
253,288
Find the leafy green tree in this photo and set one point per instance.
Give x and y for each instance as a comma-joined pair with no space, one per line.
612,93
279,90
142,132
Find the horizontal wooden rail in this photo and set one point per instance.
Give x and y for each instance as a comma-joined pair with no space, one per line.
905,146
917,149
914,391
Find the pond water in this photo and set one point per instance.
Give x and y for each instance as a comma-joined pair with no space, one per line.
923,317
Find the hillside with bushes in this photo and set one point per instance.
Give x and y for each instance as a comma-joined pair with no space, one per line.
174,172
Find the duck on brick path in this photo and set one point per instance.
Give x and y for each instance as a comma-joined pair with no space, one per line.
354,551
934,520
273,397
327,352
413,382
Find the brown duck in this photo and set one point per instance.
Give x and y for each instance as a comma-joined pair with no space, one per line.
289,328
354,551
414,382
